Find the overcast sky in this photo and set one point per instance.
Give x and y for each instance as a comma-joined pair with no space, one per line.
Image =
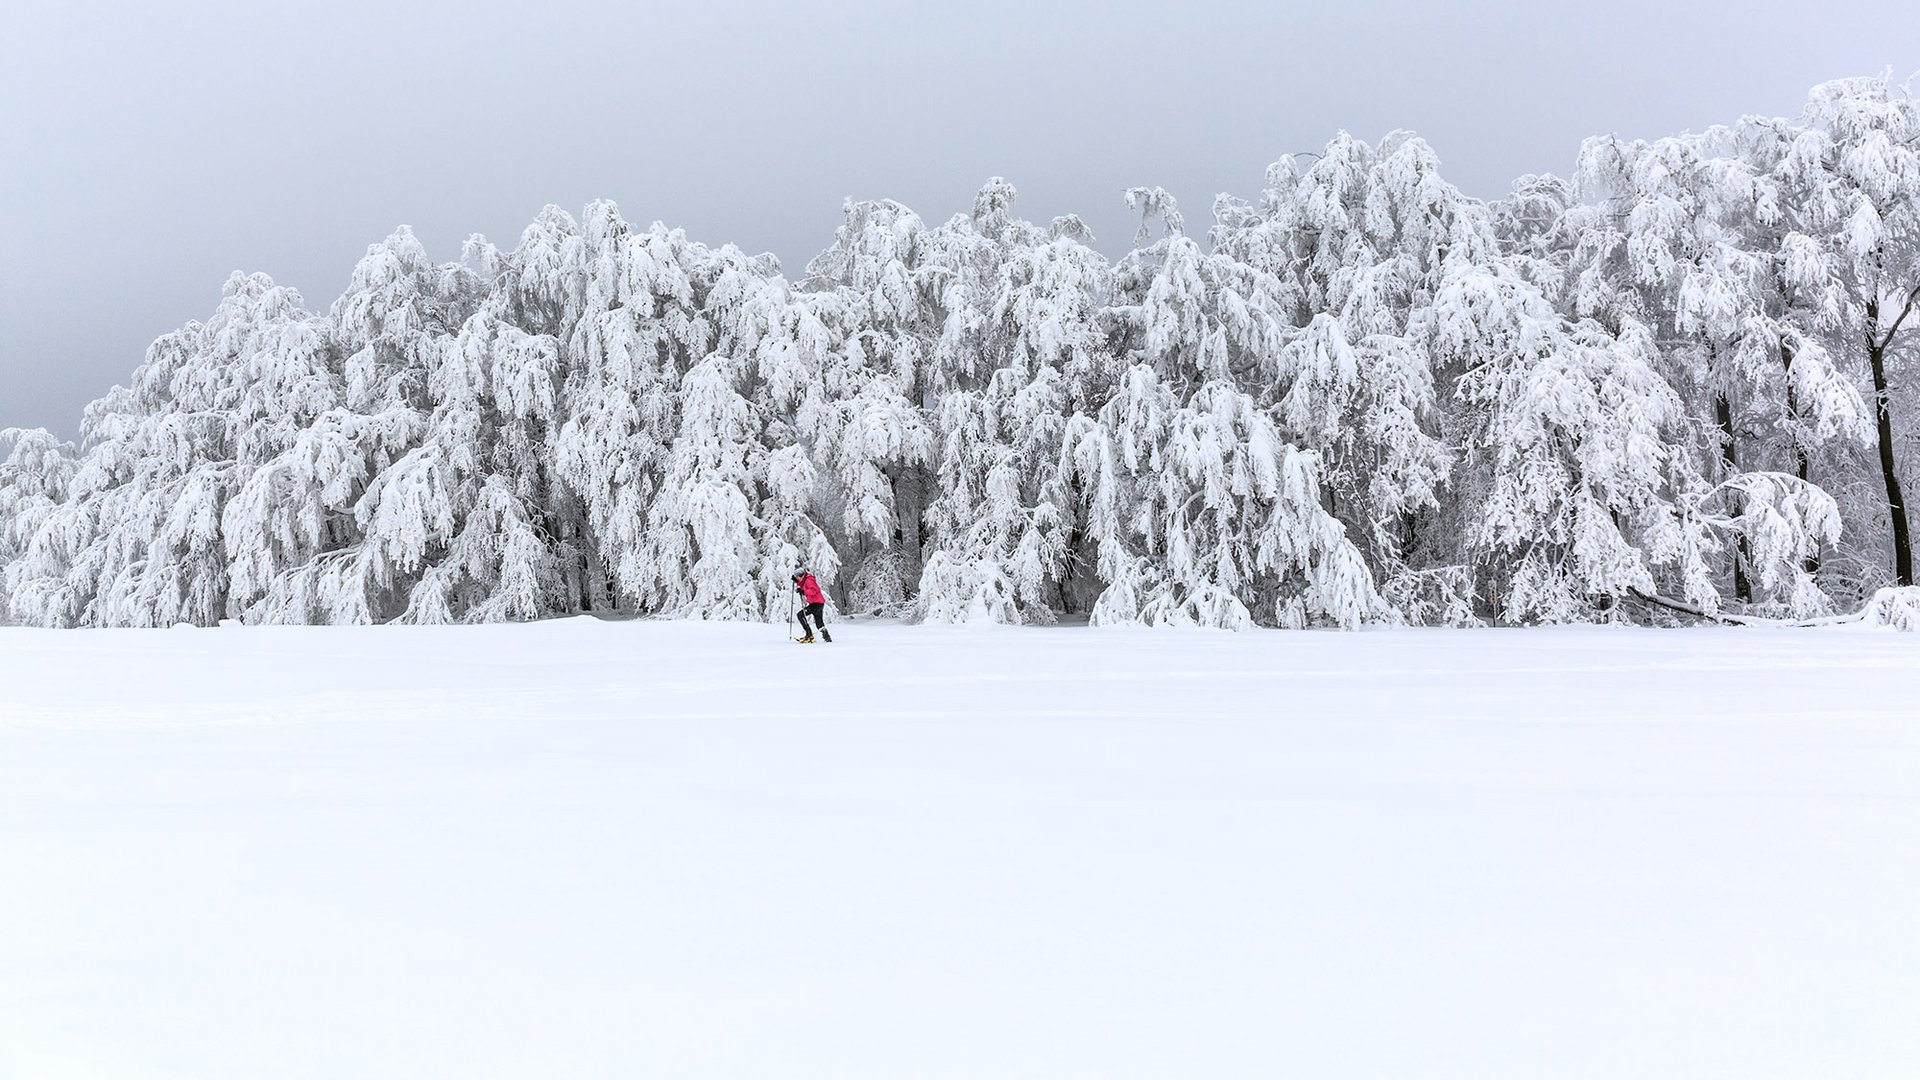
151,148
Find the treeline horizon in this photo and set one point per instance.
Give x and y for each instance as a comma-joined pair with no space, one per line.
1678,380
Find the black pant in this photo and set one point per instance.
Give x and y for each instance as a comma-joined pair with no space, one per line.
819,613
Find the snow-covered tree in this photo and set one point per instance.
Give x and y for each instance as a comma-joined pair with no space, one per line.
638,331
1351,248
1850,170
138,539
863,416
1201,512
1690,243
458,526
1568,455
704,554
1021,333
34,478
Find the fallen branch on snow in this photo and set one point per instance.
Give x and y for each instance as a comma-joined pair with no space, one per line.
1889,607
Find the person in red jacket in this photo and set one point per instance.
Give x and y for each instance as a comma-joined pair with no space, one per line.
809,591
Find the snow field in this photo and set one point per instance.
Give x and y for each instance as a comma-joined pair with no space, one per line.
580,848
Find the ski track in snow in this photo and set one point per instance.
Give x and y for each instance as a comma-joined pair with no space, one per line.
587,848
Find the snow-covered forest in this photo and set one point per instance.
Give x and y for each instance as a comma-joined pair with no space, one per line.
1687,371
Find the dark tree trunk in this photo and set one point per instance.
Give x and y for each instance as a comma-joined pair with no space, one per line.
1723,412
1802,466
1883,422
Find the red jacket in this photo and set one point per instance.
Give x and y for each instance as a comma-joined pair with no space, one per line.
810,589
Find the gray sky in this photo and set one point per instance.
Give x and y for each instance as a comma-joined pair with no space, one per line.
148,152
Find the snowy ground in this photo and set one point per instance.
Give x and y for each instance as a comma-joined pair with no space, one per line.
587,849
